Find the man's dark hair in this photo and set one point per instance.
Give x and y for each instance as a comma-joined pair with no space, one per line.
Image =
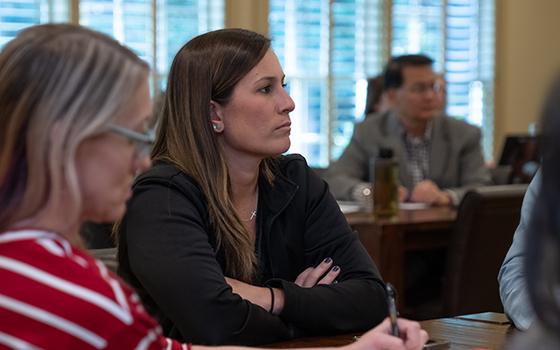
373,95
393,77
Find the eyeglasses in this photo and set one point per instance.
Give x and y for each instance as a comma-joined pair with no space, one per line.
143,142
423,88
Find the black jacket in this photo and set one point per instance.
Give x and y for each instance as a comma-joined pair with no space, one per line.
167,252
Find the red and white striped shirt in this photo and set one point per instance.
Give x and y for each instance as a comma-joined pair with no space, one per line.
56,296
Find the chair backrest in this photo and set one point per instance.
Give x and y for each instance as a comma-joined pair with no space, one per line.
522,154
108,256
486,220
501,175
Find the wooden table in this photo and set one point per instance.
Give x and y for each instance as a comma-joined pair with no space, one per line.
387,240
461,333
468,333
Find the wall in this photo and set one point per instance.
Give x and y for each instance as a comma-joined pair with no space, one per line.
527,58
247,14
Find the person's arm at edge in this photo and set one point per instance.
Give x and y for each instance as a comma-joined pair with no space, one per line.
511,278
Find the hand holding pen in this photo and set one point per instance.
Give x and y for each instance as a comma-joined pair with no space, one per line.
412,337
393,333
392,305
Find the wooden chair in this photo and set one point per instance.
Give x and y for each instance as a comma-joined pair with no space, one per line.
486,220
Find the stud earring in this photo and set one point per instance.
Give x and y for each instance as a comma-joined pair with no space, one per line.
217,127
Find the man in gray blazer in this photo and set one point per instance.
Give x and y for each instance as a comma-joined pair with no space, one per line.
439,157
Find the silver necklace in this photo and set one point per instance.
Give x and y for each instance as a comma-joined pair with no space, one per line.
253,215
254,212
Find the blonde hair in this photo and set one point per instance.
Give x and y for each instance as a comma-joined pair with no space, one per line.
208,68
59,84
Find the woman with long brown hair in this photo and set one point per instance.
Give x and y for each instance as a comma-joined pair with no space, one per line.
73,109
227,240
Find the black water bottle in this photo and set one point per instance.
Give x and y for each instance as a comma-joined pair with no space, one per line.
385,185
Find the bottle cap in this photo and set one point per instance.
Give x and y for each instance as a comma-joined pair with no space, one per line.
385,153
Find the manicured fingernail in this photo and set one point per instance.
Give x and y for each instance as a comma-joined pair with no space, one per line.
335,269
327,260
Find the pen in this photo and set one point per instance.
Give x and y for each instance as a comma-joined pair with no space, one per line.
391,303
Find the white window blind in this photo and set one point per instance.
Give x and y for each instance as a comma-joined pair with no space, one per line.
418,26
153,29
180,20
18,14
328,49
128,21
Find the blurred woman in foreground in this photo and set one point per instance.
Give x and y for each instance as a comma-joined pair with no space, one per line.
542,263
